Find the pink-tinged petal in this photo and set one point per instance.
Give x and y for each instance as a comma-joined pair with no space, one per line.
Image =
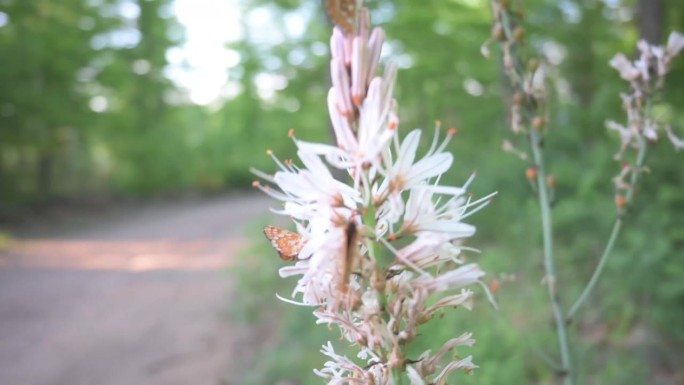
316,148
289,271
358,67
407,151
445,190
625,133
389,79
676,142
464,339
364,23
292,183
624,67
427,249
650,132
393,117
675,43
414,376
375,43
451,301
341,85
454,279
454,228
315,165
466,364
348,50
430,167
337,44
343,132
330,152
369,124
419,202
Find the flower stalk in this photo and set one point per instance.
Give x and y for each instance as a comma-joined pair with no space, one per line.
527,117
646,77
379,254
549,268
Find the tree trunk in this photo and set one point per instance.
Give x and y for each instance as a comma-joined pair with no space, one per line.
649,15
44,182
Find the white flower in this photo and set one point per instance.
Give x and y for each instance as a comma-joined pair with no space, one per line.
323,278
427,365
453,279
309,189
414,376
377,120
340,75
466,364
675,43
676,142
342,370
450,301
315,184
405,173
624,67
378,304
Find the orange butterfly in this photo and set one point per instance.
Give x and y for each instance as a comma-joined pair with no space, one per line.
287,244
343,13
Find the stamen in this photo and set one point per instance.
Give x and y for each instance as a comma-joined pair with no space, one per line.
277,162
435,139
450,134
408,263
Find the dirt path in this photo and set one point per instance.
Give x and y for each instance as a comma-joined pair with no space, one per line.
136,297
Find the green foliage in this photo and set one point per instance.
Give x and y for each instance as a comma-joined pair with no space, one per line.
62,59
438,43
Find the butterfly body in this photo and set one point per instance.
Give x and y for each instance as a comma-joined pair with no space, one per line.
286,243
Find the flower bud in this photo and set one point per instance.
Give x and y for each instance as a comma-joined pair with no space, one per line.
396,359
495,285
518,34
531,173
551,181
518,98
519,14
538,123
620,201
497,32
532,65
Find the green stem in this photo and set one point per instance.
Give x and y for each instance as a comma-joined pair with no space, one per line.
613,236
550,275
545,210
397,379
597,272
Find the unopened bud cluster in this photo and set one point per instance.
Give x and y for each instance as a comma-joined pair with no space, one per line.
527,107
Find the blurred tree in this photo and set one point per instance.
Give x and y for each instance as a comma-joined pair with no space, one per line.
85,96
140,123
45,46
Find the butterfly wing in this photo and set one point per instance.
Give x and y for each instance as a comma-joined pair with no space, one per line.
286,243
343,13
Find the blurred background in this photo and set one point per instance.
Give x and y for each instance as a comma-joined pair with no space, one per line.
130,241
